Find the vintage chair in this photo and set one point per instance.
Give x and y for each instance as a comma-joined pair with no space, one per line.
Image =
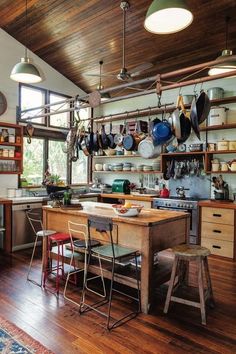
51,236
183,255
80,244
111,252
37,226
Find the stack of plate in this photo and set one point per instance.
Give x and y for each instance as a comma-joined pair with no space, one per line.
117,167
140,167
156,166
127,166
147,168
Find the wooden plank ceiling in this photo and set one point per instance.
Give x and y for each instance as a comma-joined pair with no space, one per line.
73,35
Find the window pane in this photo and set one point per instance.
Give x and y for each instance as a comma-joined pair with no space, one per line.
80,169
33,161
57,159
61,119
30,98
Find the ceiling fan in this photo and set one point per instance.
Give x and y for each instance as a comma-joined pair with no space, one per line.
125,74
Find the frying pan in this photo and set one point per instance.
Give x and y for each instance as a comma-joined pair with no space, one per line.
129,142
110,138
104,139
175,117
203,107
185,124
194,118
96,146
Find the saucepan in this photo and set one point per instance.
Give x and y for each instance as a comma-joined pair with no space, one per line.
200,109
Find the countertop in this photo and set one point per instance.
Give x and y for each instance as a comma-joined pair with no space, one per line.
217,204
147,217
144,197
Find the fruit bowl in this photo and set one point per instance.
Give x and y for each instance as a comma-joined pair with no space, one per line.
122,210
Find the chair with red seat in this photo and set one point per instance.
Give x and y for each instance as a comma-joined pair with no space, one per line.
52,236
59,239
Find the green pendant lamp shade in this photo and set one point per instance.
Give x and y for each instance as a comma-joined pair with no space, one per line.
224,63
25,72
167,16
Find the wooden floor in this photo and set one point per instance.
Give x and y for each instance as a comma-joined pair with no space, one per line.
58,326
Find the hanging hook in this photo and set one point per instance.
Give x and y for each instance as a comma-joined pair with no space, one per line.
158,90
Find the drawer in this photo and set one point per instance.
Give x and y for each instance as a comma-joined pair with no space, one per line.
218,215
218,247
217,231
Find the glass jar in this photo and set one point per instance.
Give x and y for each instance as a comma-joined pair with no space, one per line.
5,135
11,138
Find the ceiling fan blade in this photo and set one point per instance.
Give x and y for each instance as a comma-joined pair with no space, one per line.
139,69
102,75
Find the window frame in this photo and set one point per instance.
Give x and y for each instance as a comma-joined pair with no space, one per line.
51,132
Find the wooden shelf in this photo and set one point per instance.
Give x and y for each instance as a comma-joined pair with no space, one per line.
221,172
221,152
173,154
10,172
10,144
218,127
10,158
127,172
117,156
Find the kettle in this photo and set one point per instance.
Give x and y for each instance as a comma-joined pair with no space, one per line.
164,193
181,191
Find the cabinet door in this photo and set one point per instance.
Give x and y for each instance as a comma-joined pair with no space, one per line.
217,231
218,215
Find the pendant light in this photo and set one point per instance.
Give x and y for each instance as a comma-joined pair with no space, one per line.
104,96
25,71
167,16
225,62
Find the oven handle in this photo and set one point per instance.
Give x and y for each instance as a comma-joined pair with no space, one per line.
175,209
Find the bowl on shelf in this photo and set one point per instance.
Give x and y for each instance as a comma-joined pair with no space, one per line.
123,210
98,167
110,152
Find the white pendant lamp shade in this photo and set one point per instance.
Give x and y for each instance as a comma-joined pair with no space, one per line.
167,16
25,72
224,64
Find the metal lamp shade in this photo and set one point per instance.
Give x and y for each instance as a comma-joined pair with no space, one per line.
167,16
25,72
224,63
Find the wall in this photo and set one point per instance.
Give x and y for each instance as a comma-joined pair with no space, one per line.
200,186
11,52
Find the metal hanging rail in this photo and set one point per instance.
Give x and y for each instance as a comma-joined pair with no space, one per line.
153,79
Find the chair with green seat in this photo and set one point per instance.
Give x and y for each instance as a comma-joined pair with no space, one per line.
113,253
79,248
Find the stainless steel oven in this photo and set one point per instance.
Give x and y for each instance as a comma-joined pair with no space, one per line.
187,205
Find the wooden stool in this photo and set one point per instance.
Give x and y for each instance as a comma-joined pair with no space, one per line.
183,255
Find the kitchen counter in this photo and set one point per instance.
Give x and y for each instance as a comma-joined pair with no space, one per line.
150,232
217,204
141,197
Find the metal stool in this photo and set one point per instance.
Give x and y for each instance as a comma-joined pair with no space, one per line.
37,226
183,255
79,240
59,238
113,253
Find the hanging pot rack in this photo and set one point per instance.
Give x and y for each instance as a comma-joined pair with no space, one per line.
153,79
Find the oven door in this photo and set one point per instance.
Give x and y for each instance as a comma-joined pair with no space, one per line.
193,239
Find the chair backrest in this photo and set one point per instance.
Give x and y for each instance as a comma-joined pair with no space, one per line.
101,225
35,220
78,231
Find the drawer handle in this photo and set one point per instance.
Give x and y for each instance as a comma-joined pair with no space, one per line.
214,246
217,231
218,215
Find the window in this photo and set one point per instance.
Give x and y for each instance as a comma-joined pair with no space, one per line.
31,97
47,144
33,161
61,120
57,159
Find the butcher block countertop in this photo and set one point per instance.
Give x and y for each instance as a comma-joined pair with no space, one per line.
217,204
147,217
142,197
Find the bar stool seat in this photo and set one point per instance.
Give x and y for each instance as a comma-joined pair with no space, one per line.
184,254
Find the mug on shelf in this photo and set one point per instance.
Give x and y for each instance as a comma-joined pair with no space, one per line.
211,146
223,166
215,166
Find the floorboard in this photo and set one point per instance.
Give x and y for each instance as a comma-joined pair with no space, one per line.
58,325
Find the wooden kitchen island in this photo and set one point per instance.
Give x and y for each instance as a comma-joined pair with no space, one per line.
150,232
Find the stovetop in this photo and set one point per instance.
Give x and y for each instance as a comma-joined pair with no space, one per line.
185,198
177,203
